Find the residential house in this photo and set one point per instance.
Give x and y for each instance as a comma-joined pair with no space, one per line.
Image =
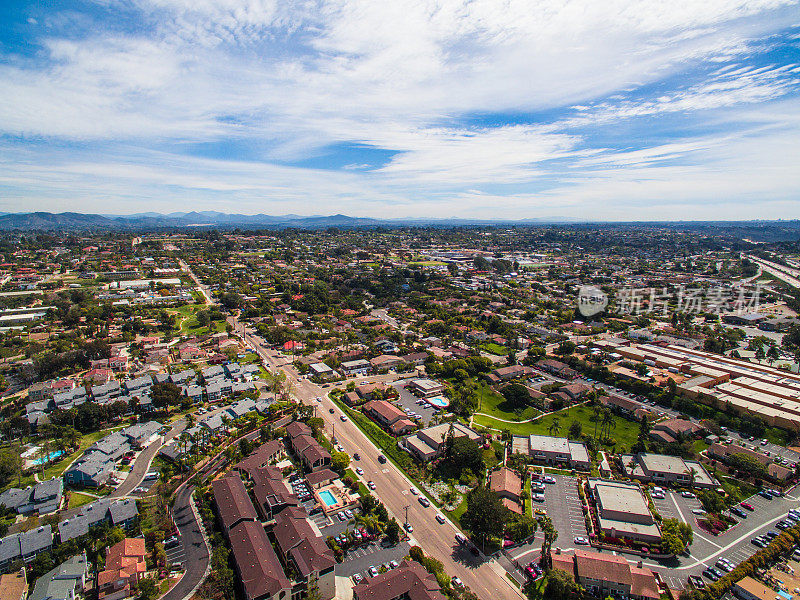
125,566
65,582
388,416
508,486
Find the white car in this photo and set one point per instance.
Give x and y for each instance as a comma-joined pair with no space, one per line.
359,470
371,485
581,541
414,491
440,519
456,582
408,526
373,572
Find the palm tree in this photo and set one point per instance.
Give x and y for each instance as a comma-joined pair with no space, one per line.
555,426
692,473
597,410
607,423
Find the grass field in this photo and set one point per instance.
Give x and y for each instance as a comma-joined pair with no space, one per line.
624,432
77,499
494,404
493,348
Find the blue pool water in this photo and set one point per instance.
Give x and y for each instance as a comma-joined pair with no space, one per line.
327,498
438,401
48,458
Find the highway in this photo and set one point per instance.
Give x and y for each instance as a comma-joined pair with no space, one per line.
786,274
482,575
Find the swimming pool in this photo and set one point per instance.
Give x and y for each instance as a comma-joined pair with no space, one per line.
438,402
48,458
328,498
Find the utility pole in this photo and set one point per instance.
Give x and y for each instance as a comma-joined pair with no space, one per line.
406,509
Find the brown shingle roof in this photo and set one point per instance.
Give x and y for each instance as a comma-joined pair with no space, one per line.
409,579
233,501
258,565
603,567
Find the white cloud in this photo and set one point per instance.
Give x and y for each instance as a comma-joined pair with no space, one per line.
292,78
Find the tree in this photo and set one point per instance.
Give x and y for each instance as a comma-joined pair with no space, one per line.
521,528
747,464
565,347
517,395
772,354
561,586
555,426
368,503
550,536
10,465
340,461
575,430
148,589
463,453
165,394
485,515
393,531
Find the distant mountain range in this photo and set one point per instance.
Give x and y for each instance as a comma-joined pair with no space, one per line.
43,221
150,221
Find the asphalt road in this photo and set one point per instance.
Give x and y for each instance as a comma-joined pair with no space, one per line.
195,553
484,576
142,463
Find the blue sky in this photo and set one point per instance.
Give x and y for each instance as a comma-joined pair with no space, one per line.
614,110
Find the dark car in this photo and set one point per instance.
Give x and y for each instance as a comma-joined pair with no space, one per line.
710,575
765,494
381,458
330,410
697,582
356,456
739,512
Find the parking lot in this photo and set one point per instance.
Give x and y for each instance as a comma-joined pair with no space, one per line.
176,555
563,506
359,560
409,402
734,545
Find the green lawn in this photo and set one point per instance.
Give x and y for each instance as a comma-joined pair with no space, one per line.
493,348
362,489
624,432
455,515
77,499
495,405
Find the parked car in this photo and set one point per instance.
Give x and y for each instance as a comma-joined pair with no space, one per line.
373,572
381,458
738,512
687,494
440,519
408,526
371,485
581,541
424,501
357,578
765,494
746,505
456,582
697,582
359,470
